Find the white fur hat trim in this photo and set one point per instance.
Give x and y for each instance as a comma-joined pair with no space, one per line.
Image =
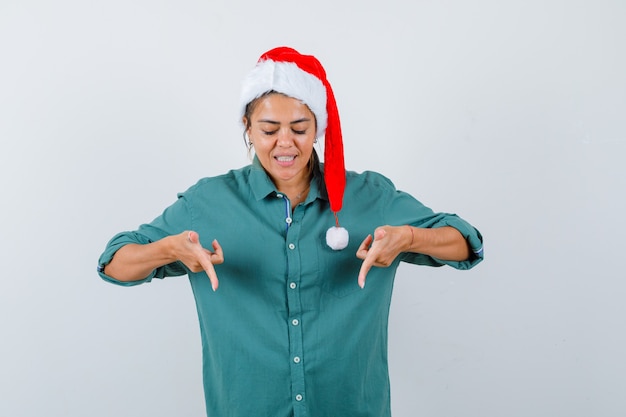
286,78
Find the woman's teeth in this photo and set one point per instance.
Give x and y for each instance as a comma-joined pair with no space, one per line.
285,158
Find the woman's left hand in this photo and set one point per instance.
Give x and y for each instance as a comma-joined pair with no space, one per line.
382,249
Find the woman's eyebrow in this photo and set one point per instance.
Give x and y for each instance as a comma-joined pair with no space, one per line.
274,122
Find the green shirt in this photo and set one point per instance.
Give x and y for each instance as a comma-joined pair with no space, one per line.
289,332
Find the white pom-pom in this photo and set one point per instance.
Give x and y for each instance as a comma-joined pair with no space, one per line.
337,238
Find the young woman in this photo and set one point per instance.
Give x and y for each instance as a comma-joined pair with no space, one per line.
293,330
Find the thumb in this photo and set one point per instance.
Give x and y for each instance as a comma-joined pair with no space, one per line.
379,233
193,237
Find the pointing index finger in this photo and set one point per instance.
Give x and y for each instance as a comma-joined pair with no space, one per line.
204,258
367,264
210,271
370,257
365,267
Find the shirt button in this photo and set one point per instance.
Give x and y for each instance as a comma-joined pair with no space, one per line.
279,195
288,220
298,397
296,359
292,285
295,322
292,246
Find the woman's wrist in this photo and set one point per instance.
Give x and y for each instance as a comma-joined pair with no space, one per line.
169,248
410,238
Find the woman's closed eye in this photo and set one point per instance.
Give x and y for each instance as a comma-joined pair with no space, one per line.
273,132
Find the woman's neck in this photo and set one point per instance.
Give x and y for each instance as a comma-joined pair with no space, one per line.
296,191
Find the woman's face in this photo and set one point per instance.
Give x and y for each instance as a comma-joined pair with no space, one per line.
282,130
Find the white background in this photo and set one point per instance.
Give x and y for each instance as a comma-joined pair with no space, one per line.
509,113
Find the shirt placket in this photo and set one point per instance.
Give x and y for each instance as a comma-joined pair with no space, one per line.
294,306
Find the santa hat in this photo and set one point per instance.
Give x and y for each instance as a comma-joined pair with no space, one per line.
286,71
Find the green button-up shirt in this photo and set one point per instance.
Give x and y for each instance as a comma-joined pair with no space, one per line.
289,332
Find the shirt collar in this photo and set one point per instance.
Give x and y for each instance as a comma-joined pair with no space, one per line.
262,185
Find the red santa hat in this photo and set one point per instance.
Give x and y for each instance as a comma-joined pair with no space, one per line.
286,71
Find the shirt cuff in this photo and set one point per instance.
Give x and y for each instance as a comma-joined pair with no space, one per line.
473,238
112,247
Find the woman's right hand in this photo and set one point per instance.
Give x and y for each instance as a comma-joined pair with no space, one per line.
190,252
134,262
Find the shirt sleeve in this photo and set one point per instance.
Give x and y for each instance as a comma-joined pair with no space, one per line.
174,220
405,209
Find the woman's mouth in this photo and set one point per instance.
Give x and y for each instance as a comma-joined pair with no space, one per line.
285,160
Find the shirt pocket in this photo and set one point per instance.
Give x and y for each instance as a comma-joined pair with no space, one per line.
339,271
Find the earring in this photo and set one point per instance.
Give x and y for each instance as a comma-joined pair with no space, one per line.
247,141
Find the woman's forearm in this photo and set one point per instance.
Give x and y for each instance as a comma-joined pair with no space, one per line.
445,243
134,262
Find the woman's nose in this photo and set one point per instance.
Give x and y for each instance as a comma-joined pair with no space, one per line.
285,138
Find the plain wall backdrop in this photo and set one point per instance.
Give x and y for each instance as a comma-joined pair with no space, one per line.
508,113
